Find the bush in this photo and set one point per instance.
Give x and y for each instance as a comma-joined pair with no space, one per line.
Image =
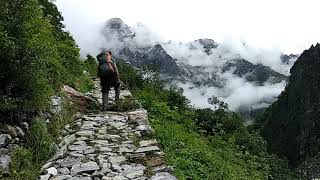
37,57
126,104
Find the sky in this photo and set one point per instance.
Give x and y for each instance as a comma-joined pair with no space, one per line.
257,30
287,25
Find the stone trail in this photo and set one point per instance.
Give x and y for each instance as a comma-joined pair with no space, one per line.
108,146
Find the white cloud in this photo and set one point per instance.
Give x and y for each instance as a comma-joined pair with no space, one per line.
237,92
288,25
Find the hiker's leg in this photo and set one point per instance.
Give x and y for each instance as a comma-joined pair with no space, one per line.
105,97
117,91
104,91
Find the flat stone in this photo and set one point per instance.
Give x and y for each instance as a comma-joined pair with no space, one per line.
163,176
45,177
64,171
141,178
61,177
162,168
147,149
101,142
89,151
85,133
114,178
47,165
148,143
80,143
112,137
137,156
68,140
80,178
119,118
82,138
105,165
105,149
69,162
84,168
60,154
117,125
133,172
52,171
76,154
78,147
117,160
125,150
116,167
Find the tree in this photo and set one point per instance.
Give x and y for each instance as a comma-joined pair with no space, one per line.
218,104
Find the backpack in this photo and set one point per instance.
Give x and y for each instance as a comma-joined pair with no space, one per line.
104,68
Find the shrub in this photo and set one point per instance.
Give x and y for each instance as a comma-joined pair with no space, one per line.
126,104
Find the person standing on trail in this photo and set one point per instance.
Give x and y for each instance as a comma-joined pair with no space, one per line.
109,76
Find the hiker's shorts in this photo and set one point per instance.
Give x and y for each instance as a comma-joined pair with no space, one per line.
108,82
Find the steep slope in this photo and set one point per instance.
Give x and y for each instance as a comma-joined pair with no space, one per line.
292,124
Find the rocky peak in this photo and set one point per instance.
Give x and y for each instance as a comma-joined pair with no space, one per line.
115,27
292,124
287,59
207,44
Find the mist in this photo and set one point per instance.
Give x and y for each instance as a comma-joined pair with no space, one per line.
91,36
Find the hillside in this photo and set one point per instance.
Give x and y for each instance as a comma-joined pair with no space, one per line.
291,124
52,125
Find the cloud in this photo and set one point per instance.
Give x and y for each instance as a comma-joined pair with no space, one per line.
88,30
238,93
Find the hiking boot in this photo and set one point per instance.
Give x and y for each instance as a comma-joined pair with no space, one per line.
117,94
105,100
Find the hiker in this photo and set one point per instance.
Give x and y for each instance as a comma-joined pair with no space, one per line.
109,76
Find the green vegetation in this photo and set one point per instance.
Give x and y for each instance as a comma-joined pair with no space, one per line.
37,57
202,143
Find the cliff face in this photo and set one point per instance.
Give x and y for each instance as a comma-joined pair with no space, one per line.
292,124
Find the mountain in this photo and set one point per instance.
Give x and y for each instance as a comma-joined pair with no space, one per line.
207,44
288,59
138,55
257,73
187,68
292,123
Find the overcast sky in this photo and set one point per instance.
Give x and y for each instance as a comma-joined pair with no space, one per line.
289,25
